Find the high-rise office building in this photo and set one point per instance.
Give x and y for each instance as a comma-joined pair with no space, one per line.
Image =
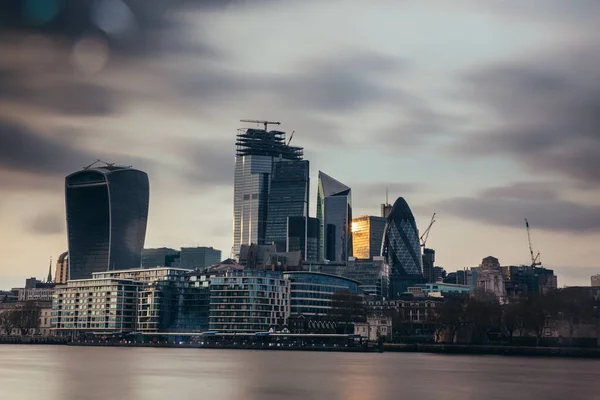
62,268
288,197
428,265
198,257
401,248
160,257
256,152
303,236
367,236
334,211
107,212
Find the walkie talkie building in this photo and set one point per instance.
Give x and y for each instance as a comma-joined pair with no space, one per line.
107,213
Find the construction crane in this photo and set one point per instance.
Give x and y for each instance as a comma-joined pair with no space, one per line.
535,260
425,234
290,139
265,123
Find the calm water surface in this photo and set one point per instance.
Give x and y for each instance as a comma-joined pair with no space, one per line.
104,373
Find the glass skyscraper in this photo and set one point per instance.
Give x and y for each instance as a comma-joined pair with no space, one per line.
367,236
401,248
107,212
257,150
288,197
334,211
303,236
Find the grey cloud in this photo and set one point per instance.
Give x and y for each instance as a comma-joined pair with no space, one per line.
549,113
339,83
47,224
206,164
23,150
372,194
506,206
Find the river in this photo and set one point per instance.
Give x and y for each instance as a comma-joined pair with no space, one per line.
105,373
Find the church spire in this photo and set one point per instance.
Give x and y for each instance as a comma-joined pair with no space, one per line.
49,280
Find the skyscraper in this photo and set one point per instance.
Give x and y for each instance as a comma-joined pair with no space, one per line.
288,197
334,211
401,248
428,265
256,152
198,257
303,236
107,212
367,236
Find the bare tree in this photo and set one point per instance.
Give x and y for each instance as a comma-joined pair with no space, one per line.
27,317
346,309
7,321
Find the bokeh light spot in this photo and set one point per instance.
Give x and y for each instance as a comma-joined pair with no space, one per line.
90,55
40,12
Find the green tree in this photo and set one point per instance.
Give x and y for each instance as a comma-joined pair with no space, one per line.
449,317
7,321
26,317
575,306
513,318
483,315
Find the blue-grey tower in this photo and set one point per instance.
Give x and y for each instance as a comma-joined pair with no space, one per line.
401,248
107,213
334,211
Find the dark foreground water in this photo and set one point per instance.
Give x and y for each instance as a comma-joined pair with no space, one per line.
104,373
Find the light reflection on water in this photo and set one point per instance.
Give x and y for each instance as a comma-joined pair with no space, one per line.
103,373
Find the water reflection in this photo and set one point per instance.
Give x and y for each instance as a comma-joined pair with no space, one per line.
77,373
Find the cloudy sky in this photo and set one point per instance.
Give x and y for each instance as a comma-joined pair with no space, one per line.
483,111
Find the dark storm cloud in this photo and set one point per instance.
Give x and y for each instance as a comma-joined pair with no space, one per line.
62,96
548,110
508,206
48,223
24,150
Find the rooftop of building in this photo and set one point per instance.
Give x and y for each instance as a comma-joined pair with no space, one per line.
266,143
321,274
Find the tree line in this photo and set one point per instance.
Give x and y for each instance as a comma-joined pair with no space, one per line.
481,318
24,317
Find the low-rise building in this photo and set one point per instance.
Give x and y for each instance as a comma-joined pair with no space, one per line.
374,329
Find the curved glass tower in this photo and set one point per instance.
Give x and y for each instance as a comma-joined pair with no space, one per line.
107,212
334,211
401,248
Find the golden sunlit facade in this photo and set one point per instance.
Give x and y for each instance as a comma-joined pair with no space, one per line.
367,235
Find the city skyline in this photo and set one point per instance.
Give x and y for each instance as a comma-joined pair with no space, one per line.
402,91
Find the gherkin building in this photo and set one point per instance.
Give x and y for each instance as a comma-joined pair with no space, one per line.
401,248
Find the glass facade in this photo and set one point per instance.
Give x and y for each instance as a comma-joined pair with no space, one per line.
428,266
301,231
161,257
373,275
402,249
256,152
367,236
248,301
334,211
107,212
311,292
288,197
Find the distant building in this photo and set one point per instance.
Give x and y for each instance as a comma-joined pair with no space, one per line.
367,236
198,257
288,197
107,212
386,209
334,211
438,274
256,152
428,265
526,279
491,278
373,275
445,289
303,236
62,268
160,257
595,280
267,257
35,290
249,301
375,328
402,249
